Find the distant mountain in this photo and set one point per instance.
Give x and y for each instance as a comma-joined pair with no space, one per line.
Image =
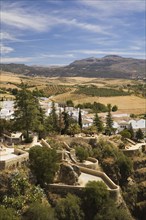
111,66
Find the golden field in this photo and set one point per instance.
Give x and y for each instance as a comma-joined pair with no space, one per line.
126,104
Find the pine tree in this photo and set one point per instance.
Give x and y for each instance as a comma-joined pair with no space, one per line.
80,119
98,123
27,116
109,121
131,131
139,134
52,120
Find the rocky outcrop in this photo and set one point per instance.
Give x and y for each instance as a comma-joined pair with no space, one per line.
69,174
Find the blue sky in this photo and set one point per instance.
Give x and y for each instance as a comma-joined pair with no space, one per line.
57,32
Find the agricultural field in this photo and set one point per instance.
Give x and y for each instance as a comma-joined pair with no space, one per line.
69,88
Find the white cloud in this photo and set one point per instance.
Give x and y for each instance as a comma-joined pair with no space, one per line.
56,56
6,36
24,20
111,8
16,16
110,52
15,59
5,49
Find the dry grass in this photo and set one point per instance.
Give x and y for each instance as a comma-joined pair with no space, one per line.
126,104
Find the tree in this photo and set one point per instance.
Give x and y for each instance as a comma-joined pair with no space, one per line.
73,129
95,197
5,125
8,214
81,153
27,111
69,208
90,130
98,123
69,103
125,133
39,211
20,192
43,164
131,131
109,121
139,134
114,108
125,165
80,119
66,119
61,124
52,120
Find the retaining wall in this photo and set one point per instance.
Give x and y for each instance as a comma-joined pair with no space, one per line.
114,190
93,166
15,162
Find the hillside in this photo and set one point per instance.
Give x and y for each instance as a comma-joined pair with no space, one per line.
111,66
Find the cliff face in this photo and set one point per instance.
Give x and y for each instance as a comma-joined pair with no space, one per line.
111,66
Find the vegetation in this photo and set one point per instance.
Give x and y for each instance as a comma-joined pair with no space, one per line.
43,164
69,208
82,153
50,90
39,211
139,134
114,108
100,205
69,103
101,92
19,193
73,129
109,121
96,106
28,115
52,120
125,134
110,157
8,214
80,119
98,123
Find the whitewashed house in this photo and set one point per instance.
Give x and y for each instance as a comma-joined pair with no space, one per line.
86,122
136,124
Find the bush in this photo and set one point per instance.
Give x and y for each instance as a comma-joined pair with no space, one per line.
81,153
29,139
38,211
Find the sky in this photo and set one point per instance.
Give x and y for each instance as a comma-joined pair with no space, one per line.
57,32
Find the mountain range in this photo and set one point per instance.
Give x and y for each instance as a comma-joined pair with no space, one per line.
111,66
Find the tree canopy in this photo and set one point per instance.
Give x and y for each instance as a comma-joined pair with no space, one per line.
27,115
69,208
43,164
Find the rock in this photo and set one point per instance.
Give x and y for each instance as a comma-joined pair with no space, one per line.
69,174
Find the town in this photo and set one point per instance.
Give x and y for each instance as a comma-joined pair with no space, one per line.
73,133
72,110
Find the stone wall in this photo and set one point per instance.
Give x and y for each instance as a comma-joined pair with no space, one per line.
94,165
12,163
114,189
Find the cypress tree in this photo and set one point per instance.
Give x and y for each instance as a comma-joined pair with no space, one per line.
109,121
66,119
80,119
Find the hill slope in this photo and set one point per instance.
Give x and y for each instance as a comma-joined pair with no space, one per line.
111,66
